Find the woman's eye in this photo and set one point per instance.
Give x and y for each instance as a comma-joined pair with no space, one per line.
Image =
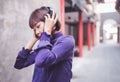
37,26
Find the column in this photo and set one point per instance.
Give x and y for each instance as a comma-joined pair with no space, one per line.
80,35
62,14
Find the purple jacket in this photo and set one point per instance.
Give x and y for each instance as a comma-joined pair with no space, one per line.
52,58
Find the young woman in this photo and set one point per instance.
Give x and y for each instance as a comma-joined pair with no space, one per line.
54,53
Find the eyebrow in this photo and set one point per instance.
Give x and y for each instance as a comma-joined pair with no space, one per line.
38,24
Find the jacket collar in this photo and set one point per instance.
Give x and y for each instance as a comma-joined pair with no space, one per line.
55,36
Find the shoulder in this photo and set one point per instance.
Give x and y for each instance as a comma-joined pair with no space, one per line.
67,39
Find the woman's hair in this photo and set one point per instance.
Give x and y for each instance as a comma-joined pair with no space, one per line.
117,5
39,15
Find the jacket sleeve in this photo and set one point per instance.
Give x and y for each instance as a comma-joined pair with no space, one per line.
48,56
25,58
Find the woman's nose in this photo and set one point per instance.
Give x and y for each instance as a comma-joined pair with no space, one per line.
37,31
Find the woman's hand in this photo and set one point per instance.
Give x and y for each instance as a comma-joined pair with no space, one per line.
31,42
50,23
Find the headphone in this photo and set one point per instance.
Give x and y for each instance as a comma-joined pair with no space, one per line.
57,23
50,11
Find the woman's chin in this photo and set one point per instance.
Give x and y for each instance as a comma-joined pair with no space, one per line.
38,36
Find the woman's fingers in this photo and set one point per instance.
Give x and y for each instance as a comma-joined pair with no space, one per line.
50,22
53,15
45,17
56,18
53,18
48,15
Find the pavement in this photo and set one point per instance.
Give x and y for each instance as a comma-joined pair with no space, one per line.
101,64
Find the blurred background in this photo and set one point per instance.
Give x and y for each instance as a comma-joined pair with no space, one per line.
95,25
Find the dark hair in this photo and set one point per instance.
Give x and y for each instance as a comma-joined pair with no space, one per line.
117,5
38,15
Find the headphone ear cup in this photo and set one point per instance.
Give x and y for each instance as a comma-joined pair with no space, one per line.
57,23
50,11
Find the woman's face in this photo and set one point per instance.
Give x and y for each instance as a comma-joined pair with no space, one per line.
38,29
